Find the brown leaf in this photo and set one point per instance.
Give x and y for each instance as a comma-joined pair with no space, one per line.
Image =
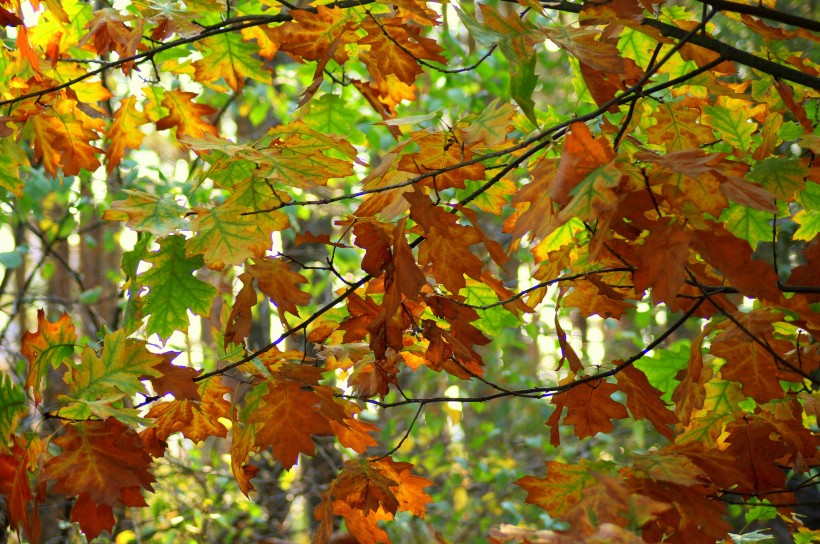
644,400
280,283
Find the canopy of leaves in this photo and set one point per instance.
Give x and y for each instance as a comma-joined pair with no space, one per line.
442,202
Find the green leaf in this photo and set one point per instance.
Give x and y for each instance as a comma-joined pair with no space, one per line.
781,176
732,126
809,217
173,289
132,314
522,85
809,221
228,57
483,36
329,114
744,222
636,46
12,408
661,368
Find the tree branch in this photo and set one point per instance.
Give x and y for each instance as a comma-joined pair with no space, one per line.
728,52
765,13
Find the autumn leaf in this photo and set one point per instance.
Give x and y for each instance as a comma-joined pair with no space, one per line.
396,48
562,489
676,128
120,369
287,419
158,215
63,139
280,283
174,379
644,402
368,491
103,463
229,57
590,408
186,115
663,255
309,36
226,237
15,485
239,322
194,418
49,347
124,132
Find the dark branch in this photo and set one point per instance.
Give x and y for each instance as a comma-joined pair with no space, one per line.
726,51
765,13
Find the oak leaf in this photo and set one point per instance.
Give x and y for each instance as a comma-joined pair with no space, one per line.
51,346
144,211
195,419
280,283
172,288
228,56
366,492
590,408
124,132
106,462
119,370
309,35
186,115
288,418
644,401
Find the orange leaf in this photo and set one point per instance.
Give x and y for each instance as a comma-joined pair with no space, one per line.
280,283
63,136
15,486
174,379
395,48
441,150
311,35
289,417
733,257
93,518
402,277
662,255
186,115
366,492
581,155
195,419
124,132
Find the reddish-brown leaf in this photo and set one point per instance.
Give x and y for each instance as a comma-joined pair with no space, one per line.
174,379
590,408
103,463
644,400
239,322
